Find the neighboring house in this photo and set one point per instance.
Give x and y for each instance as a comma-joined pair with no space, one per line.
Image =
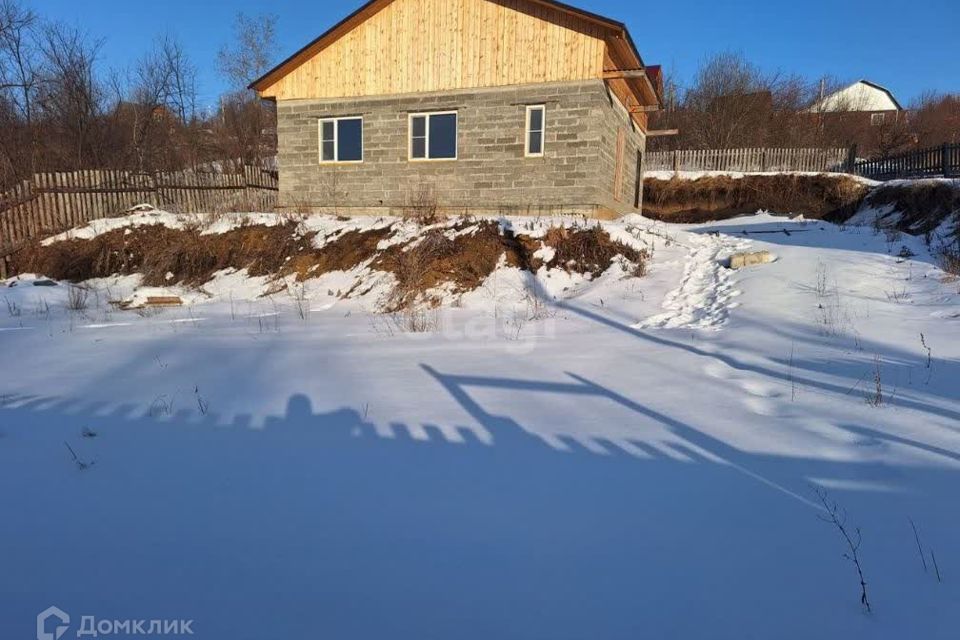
487,106
864,114
874,102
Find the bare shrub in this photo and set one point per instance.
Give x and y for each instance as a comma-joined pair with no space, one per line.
422,205
948,259
875,398
837,516
538,308
82,465
298,292
590,250
412,265
13,309
202,405
41,309
419,318
78,298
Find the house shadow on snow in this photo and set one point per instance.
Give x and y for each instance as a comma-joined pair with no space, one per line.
329,522
806,373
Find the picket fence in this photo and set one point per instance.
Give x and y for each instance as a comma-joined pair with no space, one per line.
749,160
942,161
52,202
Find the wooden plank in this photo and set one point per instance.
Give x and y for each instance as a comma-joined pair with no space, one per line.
624,74
655,133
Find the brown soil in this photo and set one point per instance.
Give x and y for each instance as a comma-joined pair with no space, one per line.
427,262
157,251
467,260
719,197
589,250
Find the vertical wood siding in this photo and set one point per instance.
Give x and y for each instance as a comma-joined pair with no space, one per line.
413,46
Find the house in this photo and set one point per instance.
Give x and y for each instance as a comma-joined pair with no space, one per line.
863,97
866,115
486,106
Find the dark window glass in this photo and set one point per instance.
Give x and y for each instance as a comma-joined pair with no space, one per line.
536,142
419,148
328,155
418,137
419,126
350,140
536,119
328,129
443,136
535,127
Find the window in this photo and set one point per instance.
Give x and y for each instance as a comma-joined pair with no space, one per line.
876,119
341,140
433,136
536,115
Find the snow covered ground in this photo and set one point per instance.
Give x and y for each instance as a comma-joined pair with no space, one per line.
638,459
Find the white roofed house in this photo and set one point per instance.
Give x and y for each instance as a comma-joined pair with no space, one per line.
864,114
862,96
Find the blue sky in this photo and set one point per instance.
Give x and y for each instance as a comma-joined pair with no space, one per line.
908,47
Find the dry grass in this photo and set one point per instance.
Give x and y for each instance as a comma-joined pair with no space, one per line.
922,205
949,259
590,250
77,298
436,259
719,197
167,256
458,256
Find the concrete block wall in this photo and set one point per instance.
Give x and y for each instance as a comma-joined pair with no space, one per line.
491,174
615,117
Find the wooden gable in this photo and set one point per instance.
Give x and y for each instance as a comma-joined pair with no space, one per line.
413,46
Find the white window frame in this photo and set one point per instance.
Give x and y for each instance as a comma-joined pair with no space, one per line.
877,119
336,140
527,131
426,142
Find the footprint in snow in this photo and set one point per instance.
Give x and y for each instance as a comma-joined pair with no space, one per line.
702,301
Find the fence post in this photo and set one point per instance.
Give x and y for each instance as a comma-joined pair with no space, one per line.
945,160
676,161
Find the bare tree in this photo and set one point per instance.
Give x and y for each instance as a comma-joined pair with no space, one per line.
182,94
732,103
250,54
70,94
18,84
247,57
162,105
730,95
936,119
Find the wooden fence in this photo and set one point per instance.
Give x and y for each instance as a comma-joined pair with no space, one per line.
53,202
749,160
942,161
